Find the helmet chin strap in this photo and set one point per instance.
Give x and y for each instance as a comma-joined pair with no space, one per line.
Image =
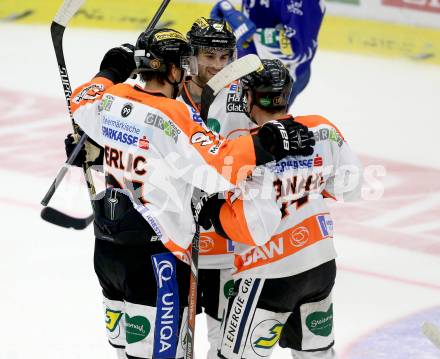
251,106
176,84
197,82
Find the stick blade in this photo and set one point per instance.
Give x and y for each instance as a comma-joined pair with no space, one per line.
236,69
61,219
432,332
67,10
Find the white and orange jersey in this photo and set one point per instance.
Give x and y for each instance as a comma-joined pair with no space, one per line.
301,227
153,148
227,118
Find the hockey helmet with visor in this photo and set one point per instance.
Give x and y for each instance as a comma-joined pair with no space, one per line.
158,48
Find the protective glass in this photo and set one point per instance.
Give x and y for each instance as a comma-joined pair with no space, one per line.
189,65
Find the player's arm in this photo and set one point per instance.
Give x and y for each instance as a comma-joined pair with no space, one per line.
242,26
229,162
248,214
116,66
298,39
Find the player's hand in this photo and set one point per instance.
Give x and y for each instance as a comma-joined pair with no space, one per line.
286,138
243,27
210,210
118,63
91,151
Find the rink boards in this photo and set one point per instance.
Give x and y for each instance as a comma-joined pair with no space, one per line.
339,33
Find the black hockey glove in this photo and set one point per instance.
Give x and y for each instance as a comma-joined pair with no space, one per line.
118,63
210,211
91,151
286,138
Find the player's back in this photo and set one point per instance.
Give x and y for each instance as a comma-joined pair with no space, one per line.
153,149
303,238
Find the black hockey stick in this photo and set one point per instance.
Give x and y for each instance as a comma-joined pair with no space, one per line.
58,25
197,201
49,214
60,219
232,72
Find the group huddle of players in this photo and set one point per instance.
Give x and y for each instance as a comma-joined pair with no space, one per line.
267,259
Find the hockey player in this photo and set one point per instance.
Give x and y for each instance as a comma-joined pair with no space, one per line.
288,279
154,154
213,44
277,29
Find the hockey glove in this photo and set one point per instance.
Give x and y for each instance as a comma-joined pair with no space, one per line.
118,63
286,138
210,210
91,152
243,27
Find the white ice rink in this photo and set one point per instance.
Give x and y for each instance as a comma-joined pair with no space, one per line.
389,245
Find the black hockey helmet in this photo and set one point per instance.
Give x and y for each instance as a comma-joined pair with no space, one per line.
211,34
157,48
270,86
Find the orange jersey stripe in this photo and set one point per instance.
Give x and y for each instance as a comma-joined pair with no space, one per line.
212,243
183,254
282,245
89,92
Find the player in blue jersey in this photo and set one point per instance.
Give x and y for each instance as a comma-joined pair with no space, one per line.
277,29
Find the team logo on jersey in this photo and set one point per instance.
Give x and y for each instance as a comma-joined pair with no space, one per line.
328,134
89,93
321,323
325,224
291,164
214,149
106,103
168,127
167,303
206,244
228,289
213,125
112,319
126,109
202,138
317,161
144,143
264,337
119,136
234,103
299,236
137,328
196,116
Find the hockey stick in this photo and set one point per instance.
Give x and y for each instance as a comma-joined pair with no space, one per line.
65,13
432,333
52,215
232,72
58,25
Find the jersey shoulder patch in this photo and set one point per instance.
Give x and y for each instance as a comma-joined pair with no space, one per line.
312,121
